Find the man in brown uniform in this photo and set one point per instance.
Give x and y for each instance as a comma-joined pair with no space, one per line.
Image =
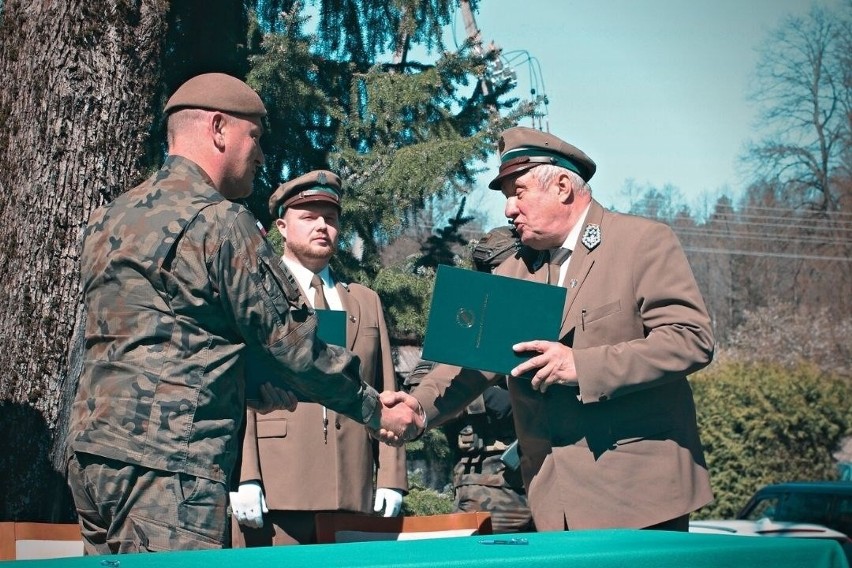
296,464
606,424
181,290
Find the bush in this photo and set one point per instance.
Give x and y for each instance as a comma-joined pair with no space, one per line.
762,423
422,500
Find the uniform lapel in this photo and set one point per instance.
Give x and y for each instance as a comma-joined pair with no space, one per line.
353,312
582,260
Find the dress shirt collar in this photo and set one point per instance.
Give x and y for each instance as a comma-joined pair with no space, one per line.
304,276
570,243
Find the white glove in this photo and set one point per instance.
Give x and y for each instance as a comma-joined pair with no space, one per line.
248,505
388,499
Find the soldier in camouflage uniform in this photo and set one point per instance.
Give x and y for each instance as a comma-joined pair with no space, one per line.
485,431
182,292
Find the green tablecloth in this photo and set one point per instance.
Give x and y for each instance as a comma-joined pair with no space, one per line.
579,549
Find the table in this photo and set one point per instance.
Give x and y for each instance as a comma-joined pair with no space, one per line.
577,549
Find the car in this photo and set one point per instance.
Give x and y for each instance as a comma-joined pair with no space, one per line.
769,528
827,503
804,509
766,527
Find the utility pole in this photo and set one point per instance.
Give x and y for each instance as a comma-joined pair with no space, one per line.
474,36
496,72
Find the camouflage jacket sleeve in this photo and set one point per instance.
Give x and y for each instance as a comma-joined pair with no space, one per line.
273,319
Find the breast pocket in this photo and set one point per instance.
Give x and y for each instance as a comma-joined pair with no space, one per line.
369,330
606,324
593,315
276,428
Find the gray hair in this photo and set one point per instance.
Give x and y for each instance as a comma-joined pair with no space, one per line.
545,174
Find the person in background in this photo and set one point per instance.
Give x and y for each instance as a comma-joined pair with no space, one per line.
486,474
296,464
181,291
605,416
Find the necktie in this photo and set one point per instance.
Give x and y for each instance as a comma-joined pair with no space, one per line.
321,304
556,260
319,295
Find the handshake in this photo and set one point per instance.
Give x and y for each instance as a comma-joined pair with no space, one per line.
402,418
398,418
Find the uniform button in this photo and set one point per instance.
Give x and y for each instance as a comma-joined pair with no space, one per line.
603,397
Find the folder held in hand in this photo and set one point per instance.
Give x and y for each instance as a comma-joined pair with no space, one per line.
476,317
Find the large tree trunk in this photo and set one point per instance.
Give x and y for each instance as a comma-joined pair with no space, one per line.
80,91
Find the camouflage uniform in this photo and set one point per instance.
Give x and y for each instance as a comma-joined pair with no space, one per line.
181,291
494,247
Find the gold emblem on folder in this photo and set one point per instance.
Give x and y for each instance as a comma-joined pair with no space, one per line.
465,317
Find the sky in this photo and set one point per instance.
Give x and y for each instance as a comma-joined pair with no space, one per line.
654,91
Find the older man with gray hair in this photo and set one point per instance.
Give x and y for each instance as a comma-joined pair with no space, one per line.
605,416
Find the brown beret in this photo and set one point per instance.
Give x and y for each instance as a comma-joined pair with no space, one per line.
318,185
217,91
523,148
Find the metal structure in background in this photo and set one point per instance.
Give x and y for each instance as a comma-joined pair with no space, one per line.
500,68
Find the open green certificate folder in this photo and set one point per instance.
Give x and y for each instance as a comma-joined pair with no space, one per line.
476,317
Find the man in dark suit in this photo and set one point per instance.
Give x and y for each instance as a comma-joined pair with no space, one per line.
607,428
296,464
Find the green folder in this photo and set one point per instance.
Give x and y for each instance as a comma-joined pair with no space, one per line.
476,317
331,327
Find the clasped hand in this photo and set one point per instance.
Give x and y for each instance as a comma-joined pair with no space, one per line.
274,398
554,361
402,420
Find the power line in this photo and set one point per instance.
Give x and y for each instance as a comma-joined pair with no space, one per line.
783,227
734,252
474,234
536,76
761,236
787,210
746,210
816,224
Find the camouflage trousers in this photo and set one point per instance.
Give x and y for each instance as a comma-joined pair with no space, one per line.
483,483
127,508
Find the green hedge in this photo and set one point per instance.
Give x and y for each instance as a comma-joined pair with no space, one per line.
764,424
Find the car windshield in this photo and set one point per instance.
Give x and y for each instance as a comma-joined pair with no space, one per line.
805,508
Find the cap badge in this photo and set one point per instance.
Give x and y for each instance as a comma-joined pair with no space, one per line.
591,236
321,179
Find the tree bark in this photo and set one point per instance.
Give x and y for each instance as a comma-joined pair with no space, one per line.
80,90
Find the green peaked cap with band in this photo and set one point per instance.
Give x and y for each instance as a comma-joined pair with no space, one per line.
318,185
523,148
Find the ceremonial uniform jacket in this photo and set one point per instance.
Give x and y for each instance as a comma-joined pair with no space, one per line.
180,287
303,470
622,450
